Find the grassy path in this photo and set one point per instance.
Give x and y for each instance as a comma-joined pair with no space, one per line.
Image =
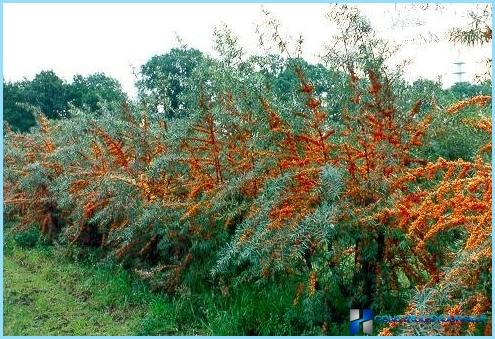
47,291
44,297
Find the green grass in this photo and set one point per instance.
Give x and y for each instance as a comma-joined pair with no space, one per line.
53,291
42,296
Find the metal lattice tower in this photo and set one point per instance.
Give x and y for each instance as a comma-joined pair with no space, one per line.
458,64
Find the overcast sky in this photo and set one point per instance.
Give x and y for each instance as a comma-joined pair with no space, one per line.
113,38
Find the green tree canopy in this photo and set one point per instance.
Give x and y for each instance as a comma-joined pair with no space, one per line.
54,97
93,89
163,79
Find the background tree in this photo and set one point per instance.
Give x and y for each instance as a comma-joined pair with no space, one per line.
96,88
48,92
15,112
51,95
164,78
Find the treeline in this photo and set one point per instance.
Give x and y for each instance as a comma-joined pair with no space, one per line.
163,87
53,96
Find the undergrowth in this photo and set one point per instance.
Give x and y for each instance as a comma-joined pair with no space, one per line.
87,287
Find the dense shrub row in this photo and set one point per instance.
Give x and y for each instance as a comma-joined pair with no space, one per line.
246,188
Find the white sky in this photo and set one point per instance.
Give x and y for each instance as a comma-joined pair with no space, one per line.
112,38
